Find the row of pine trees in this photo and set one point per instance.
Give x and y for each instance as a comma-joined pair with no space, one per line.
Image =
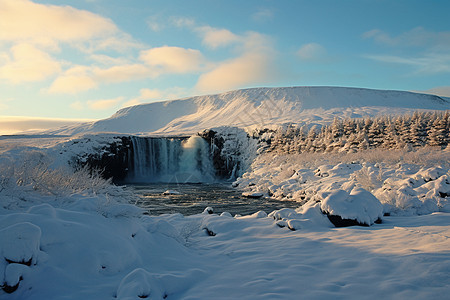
351,135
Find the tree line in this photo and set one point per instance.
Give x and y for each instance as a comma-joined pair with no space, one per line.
351,135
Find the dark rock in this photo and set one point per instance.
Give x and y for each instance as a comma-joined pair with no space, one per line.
209,232
113,159
338,221
22,262
253,195
11,289
443,195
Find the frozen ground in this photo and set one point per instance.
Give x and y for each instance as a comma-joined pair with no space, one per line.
85,242
81,252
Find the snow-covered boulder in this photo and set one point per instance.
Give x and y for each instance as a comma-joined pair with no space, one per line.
140,284
307,216
19,243
359,207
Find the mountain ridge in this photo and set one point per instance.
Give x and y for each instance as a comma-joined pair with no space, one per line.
258,107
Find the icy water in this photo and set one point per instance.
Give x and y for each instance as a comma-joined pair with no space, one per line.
189,199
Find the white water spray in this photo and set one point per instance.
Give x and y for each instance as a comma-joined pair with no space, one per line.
171,160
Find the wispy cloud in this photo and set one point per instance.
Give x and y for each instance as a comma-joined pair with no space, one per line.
311,52
103,104
254,65
215,37
427,52
416,37
432,63
73,81
174,59
263,15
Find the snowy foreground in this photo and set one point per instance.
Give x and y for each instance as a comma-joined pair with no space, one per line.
78,253
93,245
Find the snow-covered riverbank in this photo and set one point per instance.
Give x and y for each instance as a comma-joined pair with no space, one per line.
88,243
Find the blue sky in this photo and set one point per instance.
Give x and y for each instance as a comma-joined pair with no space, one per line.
86,59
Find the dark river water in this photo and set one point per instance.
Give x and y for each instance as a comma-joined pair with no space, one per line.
189,199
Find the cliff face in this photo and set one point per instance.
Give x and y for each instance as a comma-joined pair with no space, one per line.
209,156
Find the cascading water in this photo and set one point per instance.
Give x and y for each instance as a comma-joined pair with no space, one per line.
175,160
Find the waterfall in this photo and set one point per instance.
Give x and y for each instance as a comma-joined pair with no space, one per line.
175,160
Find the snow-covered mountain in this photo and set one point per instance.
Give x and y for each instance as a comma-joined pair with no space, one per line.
259,107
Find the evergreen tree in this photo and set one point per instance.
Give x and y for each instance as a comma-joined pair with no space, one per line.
438,133
390,136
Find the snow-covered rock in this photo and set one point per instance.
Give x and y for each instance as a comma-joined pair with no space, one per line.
20,243
359,205
140,284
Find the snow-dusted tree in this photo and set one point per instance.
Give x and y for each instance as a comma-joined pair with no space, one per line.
438,132
390,137
349,127
417,132
375,133
337,128
402,126
352,143
311,138
363,141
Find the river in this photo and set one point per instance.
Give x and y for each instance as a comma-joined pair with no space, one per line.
189,199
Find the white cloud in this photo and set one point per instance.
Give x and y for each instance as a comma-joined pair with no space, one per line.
26,20
34,32
215,38
174,59
23,19
103,104
255,65
311,52
73,81
244,70
27,64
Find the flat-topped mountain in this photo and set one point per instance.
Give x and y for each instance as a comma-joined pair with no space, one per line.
259,107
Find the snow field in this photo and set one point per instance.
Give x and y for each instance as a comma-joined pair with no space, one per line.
79,253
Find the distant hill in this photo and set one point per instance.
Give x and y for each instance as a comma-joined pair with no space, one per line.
258,107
